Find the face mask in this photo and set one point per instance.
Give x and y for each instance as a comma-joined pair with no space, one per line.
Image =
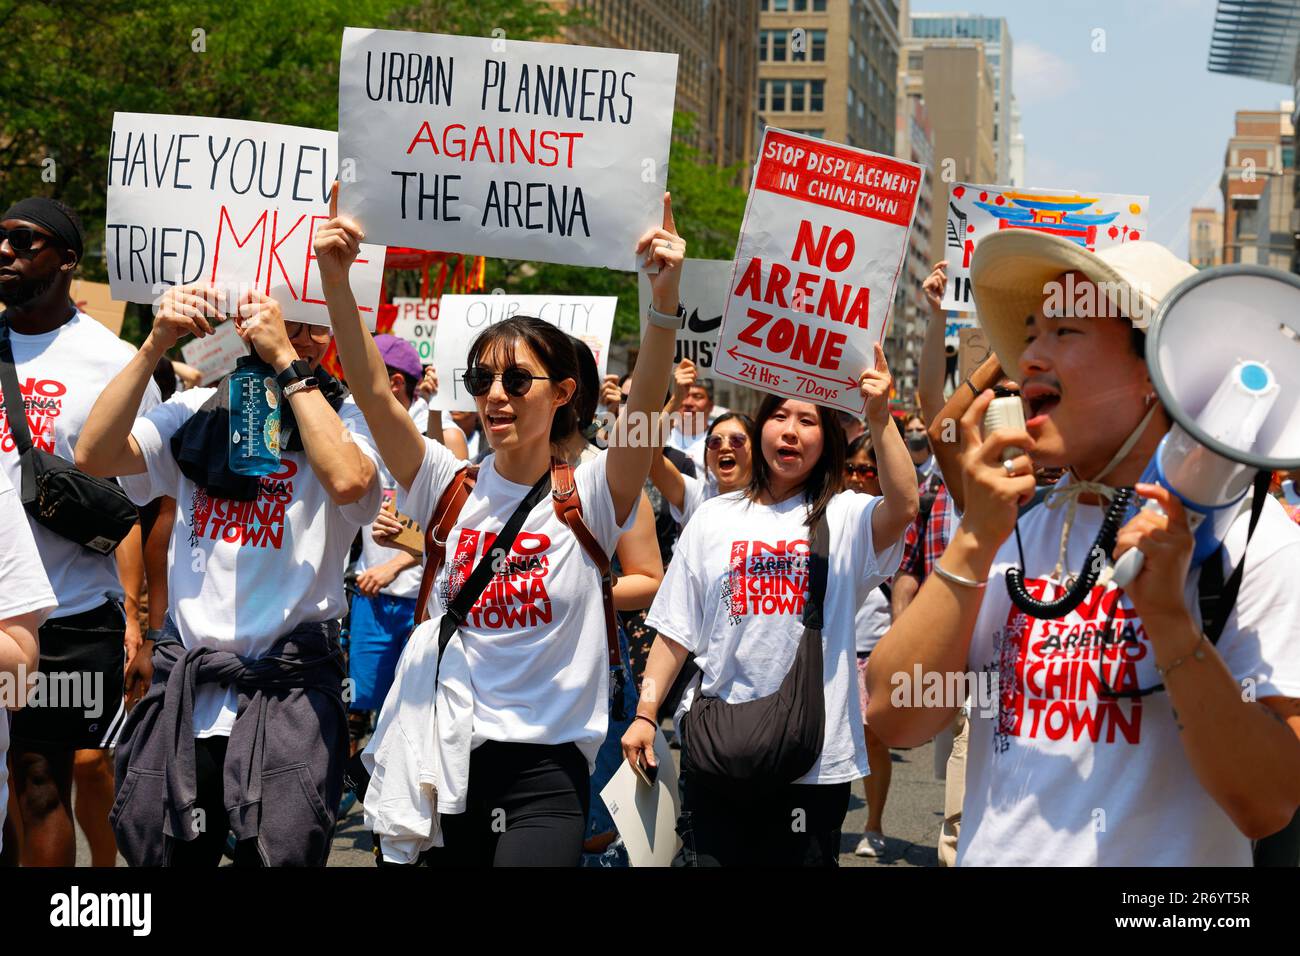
917,441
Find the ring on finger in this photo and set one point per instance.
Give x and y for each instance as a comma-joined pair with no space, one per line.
1009,466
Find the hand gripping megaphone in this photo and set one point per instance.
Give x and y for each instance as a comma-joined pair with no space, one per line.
1223,349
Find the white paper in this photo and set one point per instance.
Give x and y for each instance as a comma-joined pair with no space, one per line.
229,202
417,323
1094,220
646,817
214,355
462,317
506,170
704,295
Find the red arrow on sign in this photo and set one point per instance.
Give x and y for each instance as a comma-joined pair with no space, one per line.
735,353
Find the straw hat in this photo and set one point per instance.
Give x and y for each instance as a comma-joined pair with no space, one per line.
1011,269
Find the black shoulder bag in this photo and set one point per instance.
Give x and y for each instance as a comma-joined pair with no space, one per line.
773,740
93,512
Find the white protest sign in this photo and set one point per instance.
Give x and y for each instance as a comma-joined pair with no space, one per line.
504,148
230,202
462,317
417,322
704,295
214,355
821,246
1093,220
646,816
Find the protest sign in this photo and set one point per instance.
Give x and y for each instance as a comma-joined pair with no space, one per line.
1093,220
235,203
821,246
214,355
462,317
96,300
504,148
972,352
954,325
704,295
417,322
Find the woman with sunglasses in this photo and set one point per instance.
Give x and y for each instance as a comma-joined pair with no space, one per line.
727,463
534,644
734,596
870,624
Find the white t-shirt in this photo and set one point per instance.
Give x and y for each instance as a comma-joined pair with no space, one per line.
419,412
734,595
1056,773
692,445
407,583
242,574
697,492
24,589
535,639
61,373
872,620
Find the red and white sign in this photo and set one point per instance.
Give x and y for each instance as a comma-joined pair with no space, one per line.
417,322
822,244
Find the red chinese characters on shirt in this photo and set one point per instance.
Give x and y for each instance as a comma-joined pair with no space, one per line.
516,595
765,578
251,524
43,401
1050,672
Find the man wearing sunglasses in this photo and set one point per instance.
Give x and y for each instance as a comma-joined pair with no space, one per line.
63,359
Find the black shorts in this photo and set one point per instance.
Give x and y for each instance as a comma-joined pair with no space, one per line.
81,681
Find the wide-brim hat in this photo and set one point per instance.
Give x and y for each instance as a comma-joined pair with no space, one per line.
1010,272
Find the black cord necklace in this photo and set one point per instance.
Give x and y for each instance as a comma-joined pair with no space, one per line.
1098,555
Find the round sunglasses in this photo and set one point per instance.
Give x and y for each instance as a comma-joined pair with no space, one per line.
736,440
515,380
864,471
318,333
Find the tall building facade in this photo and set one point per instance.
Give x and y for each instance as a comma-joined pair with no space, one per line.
913,142
717,67
1205,238
828,68
993,33
1258,186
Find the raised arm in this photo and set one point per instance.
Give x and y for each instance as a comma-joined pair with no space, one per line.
629,463
105,446
668,479
930,374
945,436
897,476
398,440
641,567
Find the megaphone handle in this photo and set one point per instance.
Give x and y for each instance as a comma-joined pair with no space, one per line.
1130,562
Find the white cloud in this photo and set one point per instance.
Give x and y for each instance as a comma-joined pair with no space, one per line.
1041,75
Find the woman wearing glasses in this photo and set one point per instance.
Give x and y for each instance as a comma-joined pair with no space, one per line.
533,645
727,465
246,709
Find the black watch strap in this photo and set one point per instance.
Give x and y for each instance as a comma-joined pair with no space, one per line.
297,369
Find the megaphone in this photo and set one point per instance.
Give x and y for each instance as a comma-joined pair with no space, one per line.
1223,350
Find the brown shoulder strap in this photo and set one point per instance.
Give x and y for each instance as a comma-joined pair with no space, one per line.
443,519
568,508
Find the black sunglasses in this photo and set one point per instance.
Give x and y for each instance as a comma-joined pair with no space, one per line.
515,380
318,333
866,471
22,239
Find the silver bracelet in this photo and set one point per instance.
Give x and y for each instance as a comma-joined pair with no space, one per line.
1197,652
957,578
663,320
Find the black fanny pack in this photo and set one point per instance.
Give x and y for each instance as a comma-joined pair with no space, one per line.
93,512
773,740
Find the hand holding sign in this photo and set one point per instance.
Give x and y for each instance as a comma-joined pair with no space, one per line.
185,310
934,285
337,243
664,248
876,384
428,386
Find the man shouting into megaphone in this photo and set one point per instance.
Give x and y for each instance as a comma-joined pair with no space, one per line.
1109,726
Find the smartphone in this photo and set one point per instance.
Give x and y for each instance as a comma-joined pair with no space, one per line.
648,774
1007,412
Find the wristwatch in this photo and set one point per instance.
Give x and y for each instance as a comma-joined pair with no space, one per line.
663,320
298,369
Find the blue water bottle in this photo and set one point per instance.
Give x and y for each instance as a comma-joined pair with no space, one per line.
254,418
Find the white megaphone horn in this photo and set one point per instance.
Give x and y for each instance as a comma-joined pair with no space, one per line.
1224,353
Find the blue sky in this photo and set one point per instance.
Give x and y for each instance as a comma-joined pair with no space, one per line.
1144,117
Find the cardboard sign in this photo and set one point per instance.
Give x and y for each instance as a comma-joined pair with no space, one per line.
417,322
214,355
972,352
96,300
462,317
411,538
821,246
229,202
704,295
646,817
1093,220
504,148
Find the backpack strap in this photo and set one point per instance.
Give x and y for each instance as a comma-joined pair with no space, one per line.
439,526
1215,596
568,508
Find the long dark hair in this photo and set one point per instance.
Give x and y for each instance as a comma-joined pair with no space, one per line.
826,479
553,348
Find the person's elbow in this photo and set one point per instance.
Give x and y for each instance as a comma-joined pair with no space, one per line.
87,459
350,486
1257,818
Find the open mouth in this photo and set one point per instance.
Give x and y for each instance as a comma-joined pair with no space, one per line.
787,455
501,421
1040,401
726,462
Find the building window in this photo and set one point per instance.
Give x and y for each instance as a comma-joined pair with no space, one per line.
799,6
797,96
778,46
818,49
819,6
780,6
816,100
776,96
